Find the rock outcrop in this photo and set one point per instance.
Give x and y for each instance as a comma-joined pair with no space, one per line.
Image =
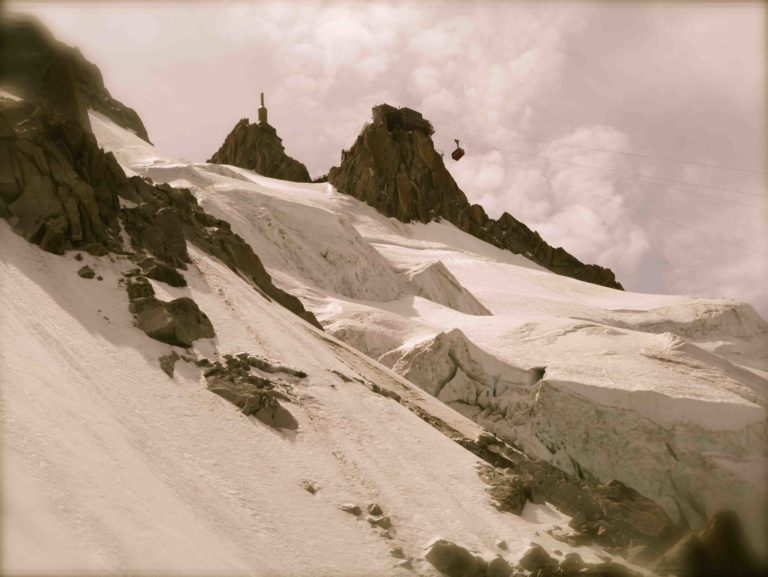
178,322
37,66
454,560
253,394
257,147
394,167
166,218
59,190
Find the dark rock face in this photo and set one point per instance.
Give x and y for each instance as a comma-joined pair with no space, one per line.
611,515
162,272
394,167
178,322
499,567
86,272
455,561
254,395
511,494
168,362
720,548
57,188
36,65
257,147
165,218
536,558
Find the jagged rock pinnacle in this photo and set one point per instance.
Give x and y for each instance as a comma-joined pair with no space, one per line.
394,167
257,147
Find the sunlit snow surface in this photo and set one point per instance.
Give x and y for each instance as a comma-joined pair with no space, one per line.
111,467
108,464
667,393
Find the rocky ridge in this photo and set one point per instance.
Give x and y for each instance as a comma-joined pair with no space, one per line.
35,64
59,190
394,167
257,147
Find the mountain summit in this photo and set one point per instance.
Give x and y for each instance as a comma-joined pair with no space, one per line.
36,66
257,147
394,167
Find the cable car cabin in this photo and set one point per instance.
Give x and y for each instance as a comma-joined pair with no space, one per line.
459,152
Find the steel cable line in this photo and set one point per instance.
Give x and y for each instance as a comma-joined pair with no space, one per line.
633,174
670,221
651,157
607,171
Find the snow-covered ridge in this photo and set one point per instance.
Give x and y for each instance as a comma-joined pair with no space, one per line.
666,393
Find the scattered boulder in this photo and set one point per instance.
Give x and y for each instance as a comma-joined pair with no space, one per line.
86,272
268,367
351,508
499,567
260,403
381,521
510,494
536,558
309,487
168,362
162,272
455,561
572,564
374,509
254,395
178,322
397,553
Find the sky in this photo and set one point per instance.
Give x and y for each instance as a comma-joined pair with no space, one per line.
605,126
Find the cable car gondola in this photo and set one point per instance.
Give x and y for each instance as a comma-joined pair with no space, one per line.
459,152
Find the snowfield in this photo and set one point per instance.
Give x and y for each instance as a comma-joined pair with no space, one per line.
110,465
665,393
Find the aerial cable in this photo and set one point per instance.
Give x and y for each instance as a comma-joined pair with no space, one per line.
636,174
670,221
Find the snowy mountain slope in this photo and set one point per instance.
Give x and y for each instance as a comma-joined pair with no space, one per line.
665,393
109,465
